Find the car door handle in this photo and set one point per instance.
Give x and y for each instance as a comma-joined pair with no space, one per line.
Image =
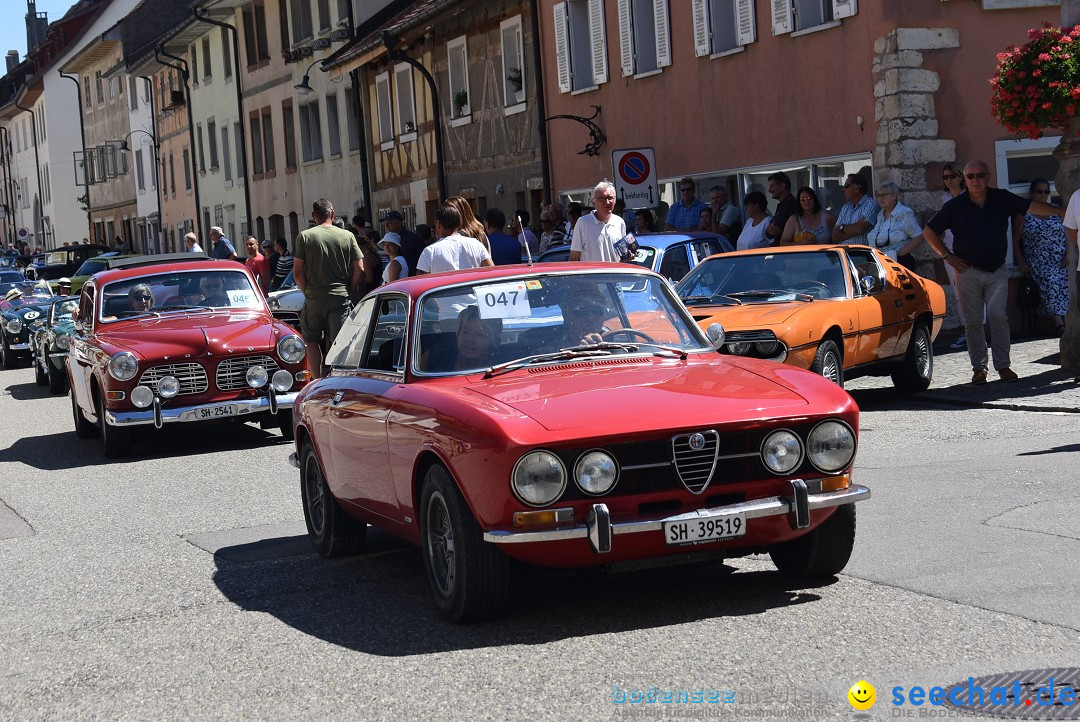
337,398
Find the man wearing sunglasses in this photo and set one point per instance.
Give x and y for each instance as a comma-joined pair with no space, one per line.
685,213
858,215
979,219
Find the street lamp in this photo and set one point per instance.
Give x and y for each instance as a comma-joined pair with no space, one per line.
304,86
124,140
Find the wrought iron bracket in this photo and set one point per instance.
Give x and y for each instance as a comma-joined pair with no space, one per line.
595,132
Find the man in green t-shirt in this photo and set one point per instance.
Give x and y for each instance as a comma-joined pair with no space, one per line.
328,267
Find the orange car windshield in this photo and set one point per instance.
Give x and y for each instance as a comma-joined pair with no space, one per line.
767,278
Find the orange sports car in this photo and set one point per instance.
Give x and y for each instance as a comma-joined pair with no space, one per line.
841,311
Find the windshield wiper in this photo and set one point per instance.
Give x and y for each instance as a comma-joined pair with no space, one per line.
591,349
692,300
770,294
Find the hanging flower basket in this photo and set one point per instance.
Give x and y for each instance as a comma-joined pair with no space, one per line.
1037,85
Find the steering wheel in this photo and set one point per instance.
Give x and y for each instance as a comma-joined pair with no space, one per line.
629,332
814,288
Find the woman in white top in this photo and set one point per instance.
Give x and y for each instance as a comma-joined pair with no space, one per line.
398,267
897,232
753,231
812,224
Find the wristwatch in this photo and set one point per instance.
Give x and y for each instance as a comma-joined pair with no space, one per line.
840,227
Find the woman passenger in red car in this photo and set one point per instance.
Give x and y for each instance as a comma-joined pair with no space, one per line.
476,342
141,298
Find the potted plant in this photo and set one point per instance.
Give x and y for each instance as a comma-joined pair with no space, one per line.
461,102
1036,86
515,80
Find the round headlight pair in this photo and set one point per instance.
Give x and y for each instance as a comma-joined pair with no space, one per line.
539,477
123,366
13,325
291,349
142,396
830,448
63,342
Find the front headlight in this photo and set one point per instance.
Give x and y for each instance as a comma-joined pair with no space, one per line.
13,325
596,472
831,446
123,366
291,349
781,452
538,478
63,342
142,396
738,348
766,348
168,386
256,377
282,381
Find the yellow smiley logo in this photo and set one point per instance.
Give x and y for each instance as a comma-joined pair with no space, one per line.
862,695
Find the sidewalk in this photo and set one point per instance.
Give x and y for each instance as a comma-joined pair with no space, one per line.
1043,385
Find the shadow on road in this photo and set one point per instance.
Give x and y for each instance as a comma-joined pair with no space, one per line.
30,391
1069,448
380,602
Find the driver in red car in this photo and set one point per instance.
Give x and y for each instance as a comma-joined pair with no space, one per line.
584,313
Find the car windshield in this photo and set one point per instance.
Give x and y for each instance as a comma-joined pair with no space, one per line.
10,277
31,293
502,322
63,310
91,266
766,277
153,295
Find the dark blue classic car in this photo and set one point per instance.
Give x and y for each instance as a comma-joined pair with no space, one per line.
49,344
24,306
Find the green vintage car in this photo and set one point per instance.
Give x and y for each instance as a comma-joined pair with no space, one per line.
49,344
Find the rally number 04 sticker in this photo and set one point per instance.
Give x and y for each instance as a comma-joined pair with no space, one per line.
503,300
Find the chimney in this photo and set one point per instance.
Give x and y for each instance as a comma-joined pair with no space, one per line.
37,26
12,59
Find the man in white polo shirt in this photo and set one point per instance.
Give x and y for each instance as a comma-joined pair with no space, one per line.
596,233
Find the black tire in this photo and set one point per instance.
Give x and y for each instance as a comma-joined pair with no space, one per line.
333,533
115,442
58,383
469,577
7,356
83,428
824,552
916,371
41,376
285,425
829,363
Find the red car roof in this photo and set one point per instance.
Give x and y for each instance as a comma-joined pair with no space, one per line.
210,264
416,285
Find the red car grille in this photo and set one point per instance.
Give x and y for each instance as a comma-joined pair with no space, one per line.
192,377
232,372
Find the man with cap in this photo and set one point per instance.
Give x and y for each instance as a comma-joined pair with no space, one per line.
411,245
63,286
223,247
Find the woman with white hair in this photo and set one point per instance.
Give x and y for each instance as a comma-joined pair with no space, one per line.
897,232
596,233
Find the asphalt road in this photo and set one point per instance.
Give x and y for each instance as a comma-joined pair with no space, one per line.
178,584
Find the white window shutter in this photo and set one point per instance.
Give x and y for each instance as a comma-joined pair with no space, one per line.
626,38
781,17
562,47
702,46
598,36
844,8
745,22
663,33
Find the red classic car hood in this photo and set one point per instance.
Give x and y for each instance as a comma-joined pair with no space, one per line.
618,399
178,336
750,315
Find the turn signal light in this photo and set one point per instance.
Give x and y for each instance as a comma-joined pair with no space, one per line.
115,395
547,517
835,483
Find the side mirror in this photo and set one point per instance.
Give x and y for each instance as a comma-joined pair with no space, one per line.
868,283
715,333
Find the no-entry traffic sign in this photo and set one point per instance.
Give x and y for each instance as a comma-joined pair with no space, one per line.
635,176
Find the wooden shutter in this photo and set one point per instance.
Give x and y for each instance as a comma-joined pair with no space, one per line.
844,8
781,17
598,41
562,47
702,44
745,22
626,38
663,33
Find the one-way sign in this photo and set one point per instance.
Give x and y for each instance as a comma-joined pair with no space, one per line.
634,170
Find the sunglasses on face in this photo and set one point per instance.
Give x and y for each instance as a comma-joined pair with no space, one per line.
949,176
210,286
687,190
144,297
982,175
588,309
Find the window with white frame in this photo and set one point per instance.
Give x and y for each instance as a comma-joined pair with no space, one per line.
405,101
133,93
301,20
350,118
226,156
800,15
513,61
238,143
211,138
333,125
644,38
324,15
201,148
386,114
140,178
457,55
193,53
722,26
208,67
310,131
343,11
580,44
226,53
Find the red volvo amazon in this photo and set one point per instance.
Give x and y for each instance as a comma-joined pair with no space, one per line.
178,339
566,415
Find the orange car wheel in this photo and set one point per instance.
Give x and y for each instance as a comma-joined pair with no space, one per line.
829,363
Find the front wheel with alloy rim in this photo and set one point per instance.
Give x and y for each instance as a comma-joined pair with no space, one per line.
83,428
333,533
469,577
7,357
916,371
829,363
115,442
823,552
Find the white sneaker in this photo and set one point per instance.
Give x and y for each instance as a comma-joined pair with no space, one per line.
959,343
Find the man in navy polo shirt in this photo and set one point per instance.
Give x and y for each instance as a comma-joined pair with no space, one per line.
979,219
223,247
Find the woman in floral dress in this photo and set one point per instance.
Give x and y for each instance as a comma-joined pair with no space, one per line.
1042,256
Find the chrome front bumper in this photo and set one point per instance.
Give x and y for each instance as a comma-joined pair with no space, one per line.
157,414
19,346
599,529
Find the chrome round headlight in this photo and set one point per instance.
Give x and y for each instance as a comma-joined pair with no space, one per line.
596,472
739,348
256,377
766,348
781,452
538,478
291,349
168,386
123,366
13,325
142,396
281,381
63,342
831,446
